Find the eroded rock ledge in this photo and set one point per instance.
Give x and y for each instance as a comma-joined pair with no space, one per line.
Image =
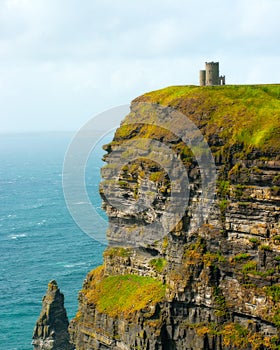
214,286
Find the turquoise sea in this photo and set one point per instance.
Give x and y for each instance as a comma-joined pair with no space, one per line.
39,240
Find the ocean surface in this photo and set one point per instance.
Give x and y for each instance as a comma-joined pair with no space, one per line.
39,240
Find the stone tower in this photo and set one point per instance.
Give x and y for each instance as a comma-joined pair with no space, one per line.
210,76
212,73
202,77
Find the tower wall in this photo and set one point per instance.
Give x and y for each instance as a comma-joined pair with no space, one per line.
212,73
222,80
202,77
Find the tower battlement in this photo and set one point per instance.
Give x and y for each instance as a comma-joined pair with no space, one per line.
210,75
211,64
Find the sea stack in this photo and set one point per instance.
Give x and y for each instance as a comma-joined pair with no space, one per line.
51,329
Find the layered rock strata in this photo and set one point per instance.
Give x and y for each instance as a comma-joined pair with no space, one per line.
51,329
211,285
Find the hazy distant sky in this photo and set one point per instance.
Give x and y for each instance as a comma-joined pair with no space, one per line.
62,61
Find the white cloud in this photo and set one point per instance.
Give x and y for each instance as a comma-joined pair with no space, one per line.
61,60
259,18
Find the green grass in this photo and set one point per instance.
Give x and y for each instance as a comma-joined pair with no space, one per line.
223,203
245,119
265,247
117,252
236,335
273,292
220,302
158,264
254,240
157,176
275,190
122,294
241,257
249,112
249,267
210,259
276,180
223,188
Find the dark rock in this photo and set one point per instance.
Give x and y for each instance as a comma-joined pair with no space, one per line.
51,329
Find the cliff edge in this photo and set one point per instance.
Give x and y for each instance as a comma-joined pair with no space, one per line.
206,284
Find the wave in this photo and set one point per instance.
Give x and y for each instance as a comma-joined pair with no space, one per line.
42,222
33,206
11,216
8,182
69,266
16,236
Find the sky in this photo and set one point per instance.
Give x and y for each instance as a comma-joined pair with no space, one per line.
63,61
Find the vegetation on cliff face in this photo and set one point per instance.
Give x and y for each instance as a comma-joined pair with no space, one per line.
236,335
122,294
238,121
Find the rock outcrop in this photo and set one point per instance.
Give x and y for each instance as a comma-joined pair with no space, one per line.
51,330
202,286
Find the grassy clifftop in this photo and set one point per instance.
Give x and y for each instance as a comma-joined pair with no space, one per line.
122,294
238,114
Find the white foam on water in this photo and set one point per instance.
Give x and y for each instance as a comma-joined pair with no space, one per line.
19,235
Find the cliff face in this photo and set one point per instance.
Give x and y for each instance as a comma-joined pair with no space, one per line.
206,284
51,329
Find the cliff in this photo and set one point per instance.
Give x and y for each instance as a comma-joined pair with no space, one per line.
51,329
209,280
